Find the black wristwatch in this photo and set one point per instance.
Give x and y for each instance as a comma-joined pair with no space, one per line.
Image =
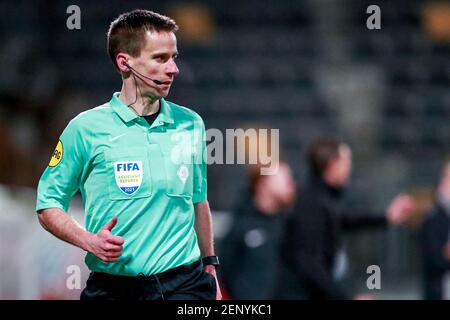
211,260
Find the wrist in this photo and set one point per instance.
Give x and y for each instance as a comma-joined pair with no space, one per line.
211,261
86,240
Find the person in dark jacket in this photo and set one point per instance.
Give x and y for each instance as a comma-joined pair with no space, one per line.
250,250
312,232
435,241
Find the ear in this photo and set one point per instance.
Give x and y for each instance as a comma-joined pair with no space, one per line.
121,61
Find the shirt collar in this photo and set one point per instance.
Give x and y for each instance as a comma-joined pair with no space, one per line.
127,115
165,114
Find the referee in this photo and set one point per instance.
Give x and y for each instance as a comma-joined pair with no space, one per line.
139,163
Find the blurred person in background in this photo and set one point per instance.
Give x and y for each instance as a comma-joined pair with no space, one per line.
435,241
250,250
312,232
148,221
8,155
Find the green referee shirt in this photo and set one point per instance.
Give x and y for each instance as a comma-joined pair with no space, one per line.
149,176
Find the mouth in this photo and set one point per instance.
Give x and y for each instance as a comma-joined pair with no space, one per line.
165,84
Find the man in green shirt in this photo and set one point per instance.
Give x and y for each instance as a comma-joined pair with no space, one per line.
139,163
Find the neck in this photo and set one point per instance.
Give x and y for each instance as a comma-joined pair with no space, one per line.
335,190
143,105
265,204
330,181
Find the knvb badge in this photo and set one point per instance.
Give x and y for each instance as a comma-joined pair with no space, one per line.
128,176
183,173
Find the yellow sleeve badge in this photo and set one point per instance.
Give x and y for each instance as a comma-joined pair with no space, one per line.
57,155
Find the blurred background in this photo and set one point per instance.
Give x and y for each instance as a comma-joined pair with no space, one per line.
306,67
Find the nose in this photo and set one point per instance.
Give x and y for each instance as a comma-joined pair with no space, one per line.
172,68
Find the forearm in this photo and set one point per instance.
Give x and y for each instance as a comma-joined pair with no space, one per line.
203,228
358,219
62,226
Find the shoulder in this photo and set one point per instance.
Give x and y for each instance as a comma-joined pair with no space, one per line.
433,216
435,220
310,205
92,115
90,118
183,113
309,196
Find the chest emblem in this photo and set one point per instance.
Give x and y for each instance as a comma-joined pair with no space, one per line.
128,176
183,173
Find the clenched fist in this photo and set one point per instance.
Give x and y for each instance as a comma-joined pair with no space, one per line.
104,245
400,209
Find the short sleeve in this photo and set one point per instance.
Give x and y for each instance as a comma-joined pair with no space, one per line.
200,163
62,177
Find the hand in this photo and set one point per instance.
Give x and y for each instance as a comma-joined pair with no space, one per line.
212,270
400,209
104,245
